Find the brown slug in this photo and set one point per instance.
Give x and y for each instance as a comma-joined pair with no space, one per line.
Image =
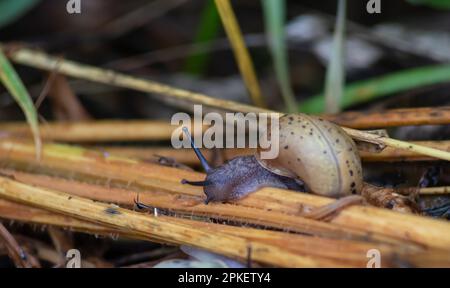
312,151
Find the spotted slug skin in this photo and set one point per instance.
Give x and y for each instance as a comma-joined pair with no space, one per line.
319,153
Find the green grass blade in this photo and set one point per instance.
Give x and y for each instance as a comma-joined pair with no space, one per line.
274,18
438,4
367,90
11,10
335,77
14,85
207,31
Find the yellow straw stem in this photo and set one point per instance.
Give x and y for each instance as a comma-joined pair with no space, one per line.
240,51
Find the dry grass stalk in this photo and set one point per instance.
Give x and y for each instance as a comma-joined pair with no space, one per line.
151,177
392,118
186,156
240,51
140,130
191,206
393,154
164,228
15,252
43,61
425,190
98,131
343,252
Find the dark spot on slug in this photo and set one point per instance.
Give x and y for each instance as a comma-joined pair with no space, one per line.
286,147
70,197
303,126
353,191
410,146
337,140
353,185
291,118
310,133
112,211
298,159
292,133
320,119
324,151
351,173
350,149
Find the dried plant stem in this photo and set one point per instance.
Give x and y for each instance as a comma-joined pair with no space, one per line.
21,212
117,130
150,177
393,154
425,190
352,253
186,156
164,228
391,118
110,130
240,51
394,143
15,252
98,131
192,206
43,61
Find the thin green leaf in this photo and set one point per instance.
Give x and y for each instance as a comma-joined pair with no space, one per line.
335,78
367,90
14,85
11,10
274,17
207,31
439,4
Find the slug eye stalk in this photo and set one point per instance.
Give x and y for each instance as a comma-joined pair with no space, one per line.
202,159
199,154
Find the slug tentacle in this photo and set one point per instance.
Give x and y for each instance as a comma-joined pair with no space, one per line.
199,154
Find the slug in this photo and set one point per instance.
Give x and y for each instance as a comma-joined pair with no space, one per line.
314,155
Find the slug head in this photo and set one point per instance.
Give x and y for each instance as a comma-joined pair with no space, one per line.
215,182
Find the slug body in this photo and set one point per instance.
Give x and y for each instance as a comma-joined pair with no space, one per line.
319,153
241,176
